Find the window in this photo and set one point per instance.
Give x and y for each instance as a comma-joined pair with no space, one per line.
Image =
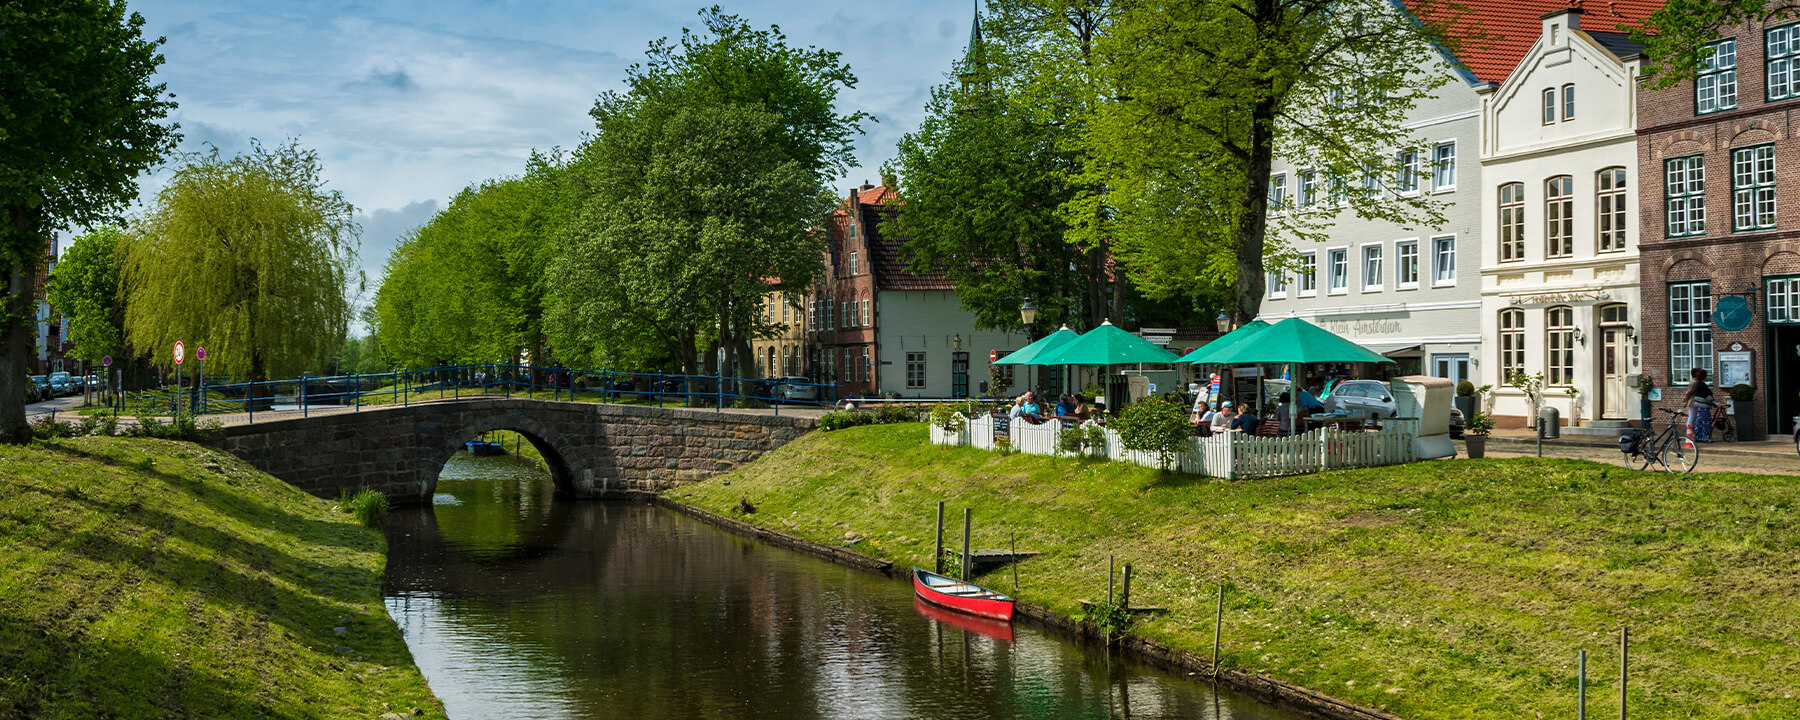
1609,204
1406,177
852,261
1443,269
1309,274
1568,102
1784,300
868,318
1443,166
1277,190
1559,338
915,370
1309,187
1559,216
1371,261
812,315
768,311
1338,278
1406,263
1690,328
1684,186
1334,188
1549,105
787,312
1371,178
1782,54
1512,222
1715,83
1512,343
1277,285
1753,188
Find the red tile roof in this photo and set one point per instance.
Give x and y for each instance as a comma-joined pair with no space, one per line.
890,254
1495,34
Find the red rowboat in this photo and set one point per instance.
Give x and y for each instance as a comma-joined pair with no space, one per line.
961,596
995,629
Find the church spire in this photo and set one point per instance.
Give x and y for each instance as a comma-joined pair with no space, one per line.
974,58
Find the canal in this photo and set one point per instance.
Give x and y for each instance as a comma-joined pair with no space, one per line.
519,606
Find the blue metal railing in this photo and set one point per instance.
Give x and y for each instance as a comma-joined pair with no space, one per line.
402,387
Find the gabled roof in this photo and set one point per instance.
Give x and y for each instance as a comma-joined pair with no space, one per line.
1495,34
890,253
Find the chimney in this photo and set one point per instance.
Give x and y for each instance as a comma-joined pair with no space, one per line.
867,186
854,199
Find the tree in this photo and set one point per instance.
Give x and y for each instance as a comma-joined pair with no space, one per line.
1677,35
80,121
704,180
249,257
85,288
1210,92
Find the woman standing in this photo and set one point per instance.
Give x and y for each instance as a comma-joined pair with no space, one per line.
1699,401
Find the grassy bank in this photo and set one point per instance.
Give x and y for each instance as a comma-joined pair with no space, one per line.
148,578
1451,589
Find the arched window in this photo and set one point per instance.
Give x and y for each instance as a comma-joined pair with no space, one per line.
1609,205
1512,343
1512,222
1559,340
1559,216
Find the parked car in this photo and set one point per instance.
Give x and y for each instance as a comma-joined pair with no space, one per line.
39,389
63,383
1370,400
795,387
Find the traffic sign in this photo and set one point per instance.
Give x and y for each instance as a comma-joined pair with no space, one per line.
106,361
199,353
180,352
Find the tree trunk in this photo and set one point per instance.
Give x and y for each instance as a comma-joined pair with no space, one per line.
1096,286
1121,284
1254,219
17,318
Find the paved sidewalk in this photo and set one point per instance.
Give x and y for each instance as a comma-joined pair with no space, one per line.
1781,446
1714,457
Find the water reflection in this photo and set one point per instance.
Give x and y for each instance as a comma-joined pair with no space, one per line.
519,606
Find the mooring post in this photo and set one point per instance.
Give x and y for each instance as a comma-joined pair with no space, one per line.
303,408
1109,581
968,515
1125,589
938,552
1218,620
1624,666
1015,562
1540,437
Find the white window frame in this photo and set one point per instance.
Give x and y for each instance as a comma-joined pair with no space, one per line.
1277,282
867,319
1307,279
853,262
1277,191
1690,329
1753,188
1684,187
1306,189
1400,281
812,314
1568,102
1380,258
1549,114
1438,265
1784,300
1406,172
1781,62
1443,168
1715,81
1337,282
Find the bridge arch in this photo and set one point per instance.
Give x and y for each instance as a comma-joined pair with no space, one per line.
545,438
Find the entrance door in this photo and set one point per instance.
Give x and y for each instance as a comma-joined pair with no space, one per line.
1614,359
1454,368
1783,361
959,374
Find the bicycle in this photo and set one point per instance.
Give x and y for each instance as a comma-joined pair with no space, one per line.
1672,449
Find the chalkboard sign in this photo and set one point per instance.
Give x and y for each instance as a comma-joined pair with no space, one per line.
1003,426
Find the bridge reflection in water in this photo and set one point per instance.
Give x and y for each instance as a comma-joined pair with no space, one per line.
516,605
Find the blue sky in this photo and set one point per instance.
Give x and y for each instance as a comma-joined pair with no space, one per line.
407,102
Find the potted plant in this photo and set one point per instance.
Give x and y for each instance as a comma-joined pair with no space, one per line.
1465,398
1475,433
1575,406
1645,383
1741,395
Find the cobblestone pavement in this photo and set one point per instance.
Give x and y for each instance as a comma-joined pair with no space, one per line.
1728,459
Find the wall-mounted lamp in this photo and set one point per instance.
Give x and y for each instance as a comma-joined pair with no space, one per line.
1580,337
1631,332
1750,295
956,342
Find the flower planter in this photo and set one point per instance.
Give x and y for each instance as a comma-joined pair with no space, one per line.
1477,445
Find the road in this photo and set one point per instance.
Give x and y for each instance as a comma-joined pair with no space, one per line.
1754,458
64,404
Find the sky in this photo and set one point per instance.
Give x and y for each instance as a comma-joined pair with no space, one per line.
408,102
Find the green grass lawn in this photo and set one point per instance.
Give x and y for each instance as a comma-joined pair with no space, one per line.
1446,589
148,578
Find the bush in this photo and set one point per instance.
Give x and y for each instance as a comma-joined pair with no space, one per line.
896,414
1081,438
1742,392
182,427
1154,425
946,417
46,427
840,419
369,506
1465,389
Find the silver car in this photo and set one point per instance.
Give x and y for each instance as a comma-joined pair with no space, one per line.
796,387
1370,400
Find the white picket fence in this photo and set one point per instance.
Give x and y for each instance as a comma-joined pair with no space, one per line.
1231,455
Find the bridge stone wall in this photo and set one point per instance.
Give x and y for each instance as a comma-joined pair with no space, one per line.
592,449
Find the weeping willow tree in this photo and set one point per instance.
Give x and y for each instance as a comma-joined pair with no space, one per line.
249,257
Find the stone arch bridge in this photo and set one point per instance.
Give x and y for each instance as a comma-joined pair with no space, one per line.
592,449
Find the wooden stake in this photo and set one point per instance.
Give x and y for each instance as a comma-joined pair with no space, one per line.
1218,619
1015,563
938,551
1125,592
1624,666
968,514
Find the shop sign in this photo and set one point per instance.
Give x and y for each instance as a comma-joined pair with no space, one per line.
1558,298
1732,313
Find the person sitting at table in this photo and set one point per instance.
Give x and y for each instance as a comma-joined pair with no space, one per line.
1081,410
1201,419
1245,422
1221,420
1066,406
1029,408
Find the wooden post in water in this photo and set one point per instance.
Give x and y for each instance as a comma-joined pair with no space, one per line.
1218,620
1125,590
937,554
1624,665
1109,580
1015,563
967,515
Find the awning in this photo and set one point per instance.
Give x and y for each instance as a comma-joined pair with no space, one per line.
1391,349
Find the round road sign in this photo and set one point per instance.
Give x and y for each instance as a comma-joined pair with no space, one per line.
180,352
106,361
199,353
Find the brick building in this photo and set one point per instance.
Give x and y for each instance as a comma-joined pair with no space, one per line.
1720,245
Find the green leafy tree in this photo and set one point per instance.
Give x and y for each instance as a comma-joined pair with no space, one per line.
1210,92
249,257
704,180
80,120
1675,38
85,288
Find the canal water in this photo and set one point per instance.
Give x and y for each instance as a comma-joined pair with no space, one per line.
519,606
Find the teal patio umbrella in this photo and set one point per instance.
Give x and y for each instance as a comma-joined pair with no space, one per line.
1294,341
1106,345
1202,354
1045,344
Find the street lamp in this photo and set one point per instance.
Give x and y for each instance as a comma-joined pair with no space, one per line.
1222,322
1027,314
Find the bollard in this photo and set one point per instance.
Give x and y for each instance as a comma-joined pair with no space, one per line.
938,553
1540,437
1581,686
1624,666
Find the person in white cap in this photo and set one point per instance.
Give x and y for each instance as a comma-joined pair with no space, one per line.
1222,419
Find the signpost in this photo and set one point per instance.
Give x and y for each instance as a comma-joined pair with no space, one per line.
199,393
111,381
180,355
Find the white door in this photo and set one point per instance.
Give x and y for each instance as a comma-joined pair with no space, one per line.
1454,367
1614,361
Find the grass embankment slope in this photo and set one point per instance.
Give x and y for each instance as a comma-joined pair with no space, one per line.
1451,589
148,578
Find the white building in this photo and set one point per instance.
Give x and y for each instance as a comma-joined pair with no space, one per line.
1559,268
